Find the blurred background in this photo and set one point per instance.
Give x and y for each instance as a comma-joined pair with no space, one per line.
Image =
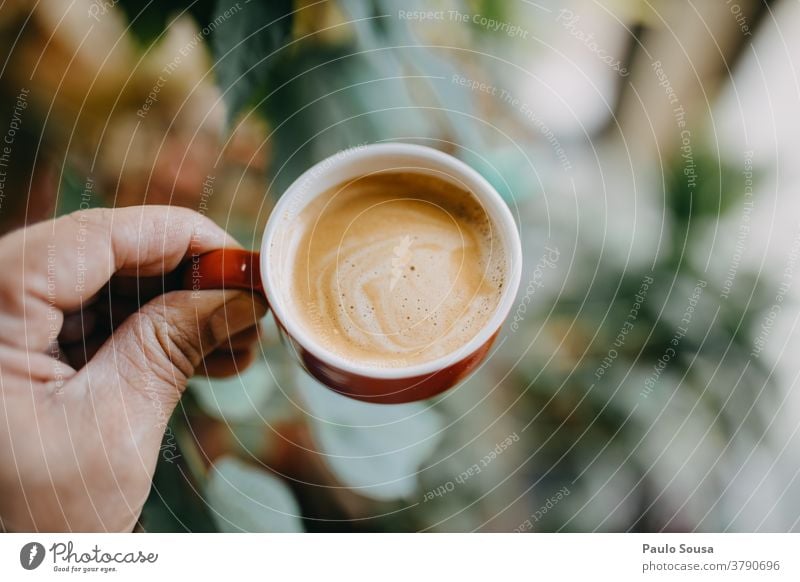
646,380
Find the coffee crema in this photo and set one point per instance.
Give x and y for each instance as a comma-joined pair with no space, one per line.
396,269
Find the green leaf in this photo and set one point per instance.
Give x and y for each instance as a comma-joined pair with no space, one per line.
77,192
245,498
145,21
326,100
246,43
378,87
701,185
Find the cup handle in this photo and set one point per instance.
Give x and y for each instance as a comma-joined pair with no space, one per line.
224,269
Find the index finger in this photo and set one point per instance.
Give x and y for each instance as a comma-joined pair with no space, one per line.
68,260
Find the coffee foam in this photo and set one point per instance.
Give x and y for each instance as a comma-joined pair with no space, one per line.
396,269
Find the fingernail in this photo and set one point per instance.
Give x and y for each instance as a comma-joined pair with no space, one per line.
237,314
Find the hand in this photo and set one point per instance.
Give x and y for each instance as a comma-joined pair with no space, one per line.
88,375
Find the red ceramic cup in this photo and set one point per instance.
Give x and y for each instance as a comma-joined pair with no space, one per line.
268,271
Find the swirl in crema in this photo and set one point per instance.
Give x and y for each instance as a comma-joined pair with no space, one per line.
397,269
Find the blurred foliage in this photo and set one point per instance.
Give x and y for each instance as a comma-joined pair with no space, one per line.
147,21
245,47
700,191
243,498
588,422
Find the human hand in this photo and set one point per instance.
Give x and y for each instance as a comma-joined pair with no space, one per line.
95,352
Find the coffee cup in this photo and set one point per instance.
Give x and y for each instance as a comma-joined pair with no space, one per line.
272,270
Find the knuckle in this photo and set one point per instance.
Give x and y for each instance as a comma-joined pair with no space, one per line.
170,350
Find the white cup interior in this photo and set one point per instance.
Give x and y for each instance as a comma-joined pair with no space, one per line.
281,237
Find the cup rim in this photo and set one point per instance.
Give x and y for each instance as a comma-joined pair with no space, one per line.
486,193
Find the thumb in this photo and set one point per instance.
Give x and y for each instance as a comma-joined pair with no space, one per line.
147,362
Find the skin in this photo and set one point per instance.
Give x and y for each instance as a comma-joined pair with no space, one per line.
95,352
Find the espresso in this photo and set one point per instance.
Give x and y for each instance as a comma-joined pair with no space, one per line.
396,269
